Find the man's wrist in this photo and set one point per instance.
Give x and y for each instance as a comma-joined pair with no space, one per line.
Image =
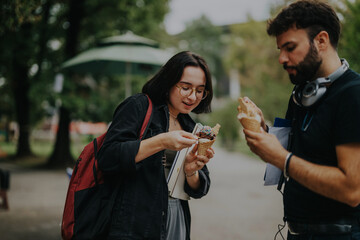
266,128
286,164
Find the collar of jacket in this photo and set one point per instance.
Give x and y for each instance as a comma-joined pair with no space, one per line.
185,120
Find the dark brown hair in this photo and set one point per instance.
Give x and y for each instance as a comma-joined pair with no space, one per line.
311,15
159,86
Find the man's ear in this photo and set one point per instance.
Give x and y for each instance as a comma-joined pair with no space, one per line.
322,41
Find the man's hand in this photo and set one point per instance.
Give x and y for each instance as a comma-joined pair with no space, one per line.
267,147
258,110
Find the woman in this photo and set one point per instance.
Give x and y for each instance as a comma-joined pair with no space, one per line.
143,209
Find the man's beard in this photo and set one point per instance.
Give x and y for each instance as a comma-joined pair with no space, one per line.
307,69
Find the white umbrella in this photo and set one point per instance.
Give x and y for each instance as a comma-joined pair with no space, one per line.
127,54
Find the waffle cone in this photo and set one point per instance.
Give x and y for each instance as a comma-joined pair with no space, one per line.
250,124
216,129
204,145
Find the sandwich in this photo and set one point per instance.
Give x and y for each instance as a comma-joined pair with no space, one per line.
248,116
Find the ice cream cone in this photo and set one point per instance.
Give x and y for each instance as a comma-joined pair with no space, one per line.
250,124
204,144
216,129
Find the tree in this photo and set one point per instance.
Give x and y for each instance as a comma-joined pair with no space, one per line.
61,155
349,41
202,37
37,36
255,55
18,22
112,17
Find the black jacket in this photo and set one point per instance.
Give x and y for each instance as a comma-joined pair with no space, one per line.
140,210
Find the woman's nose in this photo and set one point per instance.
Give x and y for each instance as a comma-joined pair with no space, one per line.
193,95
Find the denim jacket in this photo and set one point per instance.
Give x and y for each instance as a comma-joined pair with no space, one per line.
140,210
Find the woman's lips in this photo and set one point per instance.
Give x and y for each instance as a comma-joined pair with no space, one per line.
188,105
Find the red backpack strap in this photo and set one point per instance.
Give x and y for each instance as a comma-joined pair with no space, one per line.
147,118
98,142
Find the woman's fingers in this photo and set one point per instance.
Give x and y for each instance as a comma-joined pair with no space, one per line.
177,140
200,164
210,153
194,149
187,139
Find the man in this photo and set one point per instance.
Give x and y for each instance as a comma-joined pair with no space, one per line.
322,163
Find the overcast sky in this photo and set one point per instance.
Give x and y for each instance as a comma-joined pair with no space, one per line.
220,12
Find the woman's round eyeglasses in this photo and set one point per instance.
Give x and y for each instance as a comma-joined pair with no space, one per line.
187,91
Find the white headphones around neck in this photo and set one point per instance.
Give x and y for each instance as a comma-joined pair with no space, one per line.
308,94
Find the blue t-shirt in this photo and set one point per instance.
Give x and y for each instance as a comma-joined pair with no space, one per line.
333,121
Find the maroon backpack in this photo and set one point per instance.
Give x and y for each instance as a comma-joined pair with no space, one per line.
89,201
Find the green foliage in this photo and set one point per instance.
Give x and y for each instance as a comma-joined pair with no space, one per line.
20,35
349,47
42,37
15,13
110,17
254,54
96,101
226,116
205,39
38,36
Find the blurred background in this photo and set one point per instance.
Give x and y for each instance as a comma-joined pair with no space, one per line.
65,66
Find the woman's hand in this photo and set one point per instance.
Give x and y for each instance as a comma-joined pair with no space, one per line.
195,162
177,140
174,140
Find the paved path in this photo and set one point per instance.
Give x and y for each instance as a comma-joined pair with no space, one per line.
36,200
237,207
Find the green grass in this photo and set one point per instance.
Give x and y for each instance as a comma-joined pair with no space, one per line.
41,149
9,148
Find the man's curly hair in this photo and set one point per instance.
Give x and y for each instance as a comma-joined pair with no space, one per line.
311,15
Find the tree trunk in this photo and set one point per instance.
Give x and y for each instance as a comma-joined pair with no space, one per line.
7,130
44,37
20,87
21,83
22,104
61,155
